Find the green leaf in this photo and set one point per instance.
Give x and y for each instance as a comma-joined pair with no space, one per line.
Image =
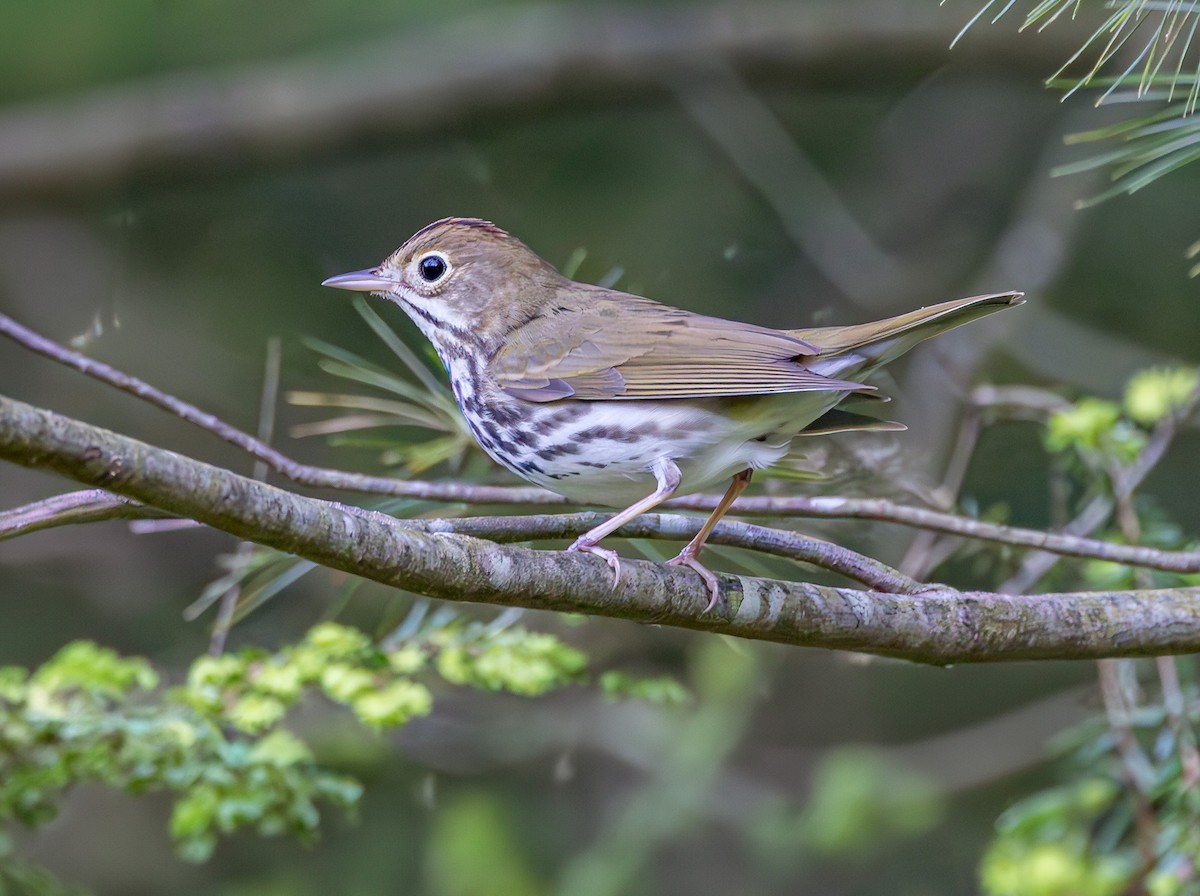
344,682
281,748
255,713
393,705
1158,392
663,690
95,670
1085,425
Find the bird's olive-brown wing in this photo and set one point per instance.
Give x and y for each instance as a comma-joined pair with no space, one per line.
605,345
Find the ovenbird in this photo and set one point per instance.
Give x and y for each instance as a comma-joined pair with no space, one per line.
610,398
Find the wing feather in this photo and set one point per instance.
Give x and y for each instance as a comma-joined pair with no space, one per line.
606,345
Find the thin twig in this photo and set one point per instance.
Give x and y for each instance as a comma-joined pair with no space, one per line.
1181,727
1018,402
780,543
1166,666
830,507
1135,764
95,505
86,506
1118,684
928,549
986,403
1100,508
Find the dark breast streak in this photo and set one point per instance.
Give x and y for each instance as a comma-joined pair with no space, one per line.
524,437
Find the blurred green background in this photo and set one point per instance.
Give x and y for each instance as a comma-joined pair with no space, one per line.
177,178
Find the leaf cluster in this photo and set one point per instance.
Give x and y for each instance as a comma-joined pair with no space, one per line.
1112,827
218,741
1126,819
1098,431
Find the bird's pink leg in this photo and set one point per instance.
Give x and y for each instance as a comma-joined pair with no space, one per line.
667,475
687,557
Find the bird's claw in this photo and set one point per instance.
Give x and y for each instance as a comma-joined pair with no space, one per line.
686,558
586,546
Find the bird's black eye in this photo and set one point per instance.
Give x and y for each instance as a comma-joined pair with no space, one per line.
432,267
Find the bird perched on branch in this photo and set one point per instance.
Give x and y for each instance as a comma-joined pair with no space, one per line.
610,398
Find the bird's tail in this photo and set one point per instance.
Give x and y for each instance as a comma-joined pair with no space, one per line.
880,341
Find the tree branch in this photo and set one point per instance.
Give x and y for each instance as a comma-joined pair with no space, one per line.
938,626
97,505
827,507
91,505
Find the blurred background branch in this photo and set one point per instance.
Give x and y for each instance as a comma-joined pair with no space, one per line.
428,77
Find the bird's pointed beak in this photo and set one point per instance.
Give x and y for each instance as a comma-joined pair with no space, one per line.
360,281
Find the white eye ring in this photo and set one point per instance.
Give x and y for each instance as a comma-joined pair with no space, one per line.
433,267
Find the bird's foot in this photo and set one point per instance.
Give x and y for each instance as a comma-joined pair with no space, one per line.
688,559
585,545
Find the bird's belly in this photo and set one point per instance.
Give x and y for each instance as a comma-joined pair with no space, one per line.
602,452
